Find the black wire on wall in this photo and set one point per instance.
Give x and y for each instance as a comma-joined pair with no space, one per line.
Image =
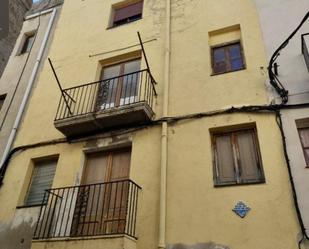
273,79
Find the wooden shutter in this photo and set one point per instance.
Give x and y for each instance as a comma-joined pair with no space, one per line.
96,168
248,156
128,11
42,179
224,161
120,165
101,208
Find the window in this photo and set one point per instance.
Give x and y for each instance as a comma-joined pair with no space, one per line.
2,98
121,90
128,13
107,167
237,158
227,58
304,138
42,179
305,48
29,39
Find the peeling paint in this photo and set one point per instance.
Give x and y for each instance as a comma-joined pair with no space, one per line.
17,233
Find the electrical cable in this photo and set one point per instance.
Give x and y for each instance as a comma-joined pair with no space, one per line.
128,129
274,109
273,79
295,198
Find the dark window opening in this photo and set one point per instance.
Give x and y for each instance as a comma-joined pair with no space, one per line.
27,43
2,99
227,58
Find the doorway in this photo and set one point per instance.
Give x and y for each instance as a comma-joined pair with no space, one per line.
102,198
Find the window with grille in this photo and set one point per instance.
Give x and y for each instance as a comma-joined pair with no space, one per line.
128,13
227,58
42,179
237,157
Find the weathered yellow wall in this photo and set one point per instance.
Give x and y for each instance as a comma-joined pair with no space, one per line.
196,211
206,211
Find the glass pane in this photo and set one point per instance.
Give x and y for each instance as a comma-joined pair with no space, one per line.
130,82
218,55
30,42
236,64
108,88
234,51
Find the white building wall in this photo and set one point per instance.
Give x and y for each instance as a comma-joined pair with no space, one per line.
278,18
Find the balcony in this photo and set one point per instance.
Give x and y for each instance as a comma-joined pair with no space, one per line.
120,101
89,210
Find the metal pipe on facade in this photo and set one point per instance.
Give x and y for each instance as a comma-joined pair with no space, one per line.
164,134
28,89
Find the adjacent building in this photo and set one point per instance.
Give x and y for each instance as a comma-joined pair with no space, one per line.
16,85
17,10
151,144
278,20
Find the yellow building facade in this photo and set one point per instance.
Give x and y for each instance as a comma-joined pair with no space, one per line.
190,158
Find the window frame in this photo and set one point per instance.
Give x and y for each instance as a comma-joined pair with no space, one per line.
121,63
239,180
223,45
35,164
303,146
123,5
305,49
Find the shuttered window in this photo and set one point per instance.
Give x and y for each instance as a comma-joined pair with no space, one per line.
128,13
304,138
42,179
237,158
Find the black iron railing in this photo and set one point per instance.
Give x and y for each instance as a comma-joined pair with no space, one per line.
107,94
89,210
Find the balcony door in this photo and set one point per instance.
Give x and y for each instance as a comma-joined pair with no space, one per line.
119,85
102,200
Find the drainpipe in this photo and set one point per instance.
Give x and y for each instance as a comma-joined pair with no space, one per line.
164,134
28,90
